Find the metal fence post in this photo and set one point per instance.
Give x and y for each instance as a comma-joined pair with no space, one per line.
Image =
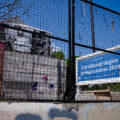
68,79
92,27
73,84
70,91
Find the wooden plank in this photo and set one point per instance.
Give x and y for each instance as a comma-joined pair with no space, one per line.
96,91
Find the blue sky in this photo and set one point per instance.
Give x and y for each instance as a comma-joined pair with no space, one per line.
106,26
111,4
106,31
52,16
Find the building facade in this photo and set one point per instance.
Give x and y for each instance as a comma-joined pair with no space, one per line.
27,42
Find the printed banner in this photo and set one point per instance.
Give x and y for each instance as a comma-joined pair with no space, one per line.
98,68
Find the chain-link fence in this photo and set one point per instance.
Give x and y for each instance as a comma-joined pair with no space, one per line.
59,51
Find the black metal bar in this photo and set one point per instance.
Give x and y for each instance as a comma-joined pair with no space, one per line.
73,82
99,6
68,79
32,32
81,45
57,101
92,27
70,38
57,38
69,13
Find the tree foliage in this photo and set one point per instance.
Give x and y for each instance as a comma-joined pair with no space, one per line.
113,87
59,55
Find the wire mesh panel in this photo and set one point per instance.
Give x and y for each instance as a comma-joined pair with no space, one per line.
35,37
108,23
97,53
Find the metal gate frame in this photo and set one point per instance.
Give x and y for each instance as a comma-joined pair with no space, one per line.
72,83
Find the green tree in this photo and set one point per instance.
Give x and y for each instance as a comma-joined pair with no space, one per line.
115,87
59,55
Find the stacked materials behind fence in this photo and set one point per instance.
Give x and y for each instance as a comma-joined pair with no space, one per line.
28,76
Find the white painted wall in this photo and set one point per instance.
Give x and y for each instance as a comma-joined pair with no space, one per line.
41,111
